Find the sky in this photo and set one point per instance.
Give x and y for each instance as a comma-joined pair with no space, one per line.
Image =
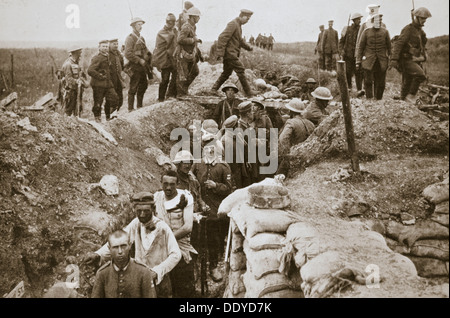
287,20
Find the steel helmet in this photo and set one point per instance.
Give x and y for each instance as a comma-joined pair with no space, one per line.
311,80
193,11
296,105
135,20
356,16
183,156
322,93
422,12
230,85
260,83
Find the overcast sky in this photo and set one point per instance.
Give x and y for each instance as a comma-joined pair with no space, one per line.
287,20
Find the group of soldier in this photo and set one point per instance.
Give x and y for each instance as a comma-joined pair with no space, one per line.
263,41
369,52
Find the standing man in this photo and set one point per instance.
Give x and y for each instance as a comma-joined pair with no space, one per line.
270,42
409,54
183,17
187,52
318,49
215,181
101,82
163,58
123,277
261,121
375,45
347,49
227,107
330,45
229,47
138,57
296,130
155,244
116,67
73,83
176,208
316,111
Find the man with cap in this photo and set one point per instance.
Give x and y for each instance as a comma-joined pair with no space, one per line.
229,47
214,176
183,17
316,111
372,10
308,88
73,82
176,207
164,60
101,82
116,67
318,49
330,46
187,52
227,107
409,54
347,49
123,276
155,243
296,130
375,46
138,56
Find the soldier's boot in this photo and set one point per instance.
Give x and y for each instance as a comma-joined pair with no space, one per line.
246,86
98,119
410,98
140,101
216,275
130,102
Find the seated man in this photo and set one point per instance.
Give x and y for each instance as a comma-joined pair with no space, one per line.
316,110
123,277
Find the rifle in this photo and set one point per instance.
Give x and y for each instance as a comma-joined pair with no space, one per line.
412,11
78,106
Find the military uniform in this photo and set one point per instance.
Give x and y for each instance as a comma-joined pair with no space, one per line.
375,45
116,67
164,61
135,50
134,281
225,109
102,85
330,45
315,114
72,72
229,46
409,51
187,58
347,47
319,51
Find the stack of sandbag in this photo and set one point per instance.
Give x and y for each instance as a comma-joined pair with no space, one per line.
427,242
238,262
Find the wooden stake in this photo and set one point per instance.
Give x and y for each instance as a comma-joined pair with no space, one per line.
12,70
346,107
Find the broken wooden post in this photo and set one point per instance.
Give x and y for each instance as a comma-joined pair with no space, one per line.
9,102
12,70
346,107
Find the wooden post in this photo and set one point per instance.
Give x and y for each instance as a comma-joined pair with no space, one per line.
346,107
12,70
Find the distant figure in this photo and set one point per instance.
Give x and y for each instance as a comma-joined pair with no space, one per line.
316,111
183,17
123,276
251,40
270,41
375,45
330,46
116,67
229,47
409,53
318,49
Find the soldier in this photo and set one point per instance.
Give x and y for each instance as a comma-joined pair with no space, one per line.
138,56
318,49
347,49
176,207
163,58
183,17
330,45
409,54
310,86
251,40
375,46
116,67
316,111
155,244
270,41
123,276
214,176
296,130
101,82
187,53
229,46
73,83
228,106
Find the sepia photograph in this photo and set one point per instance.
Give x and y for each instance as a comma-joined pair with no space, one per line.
235,151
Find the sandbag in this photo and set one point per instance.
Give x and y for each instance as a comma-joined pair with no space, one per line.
263,241
441,219
323,264
438,249
237,242
304,238
237,261
268,284
285,293
234,228
397,246
430,267
236,283
426,229
437,193
404,263
252,221
442,208
263,262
